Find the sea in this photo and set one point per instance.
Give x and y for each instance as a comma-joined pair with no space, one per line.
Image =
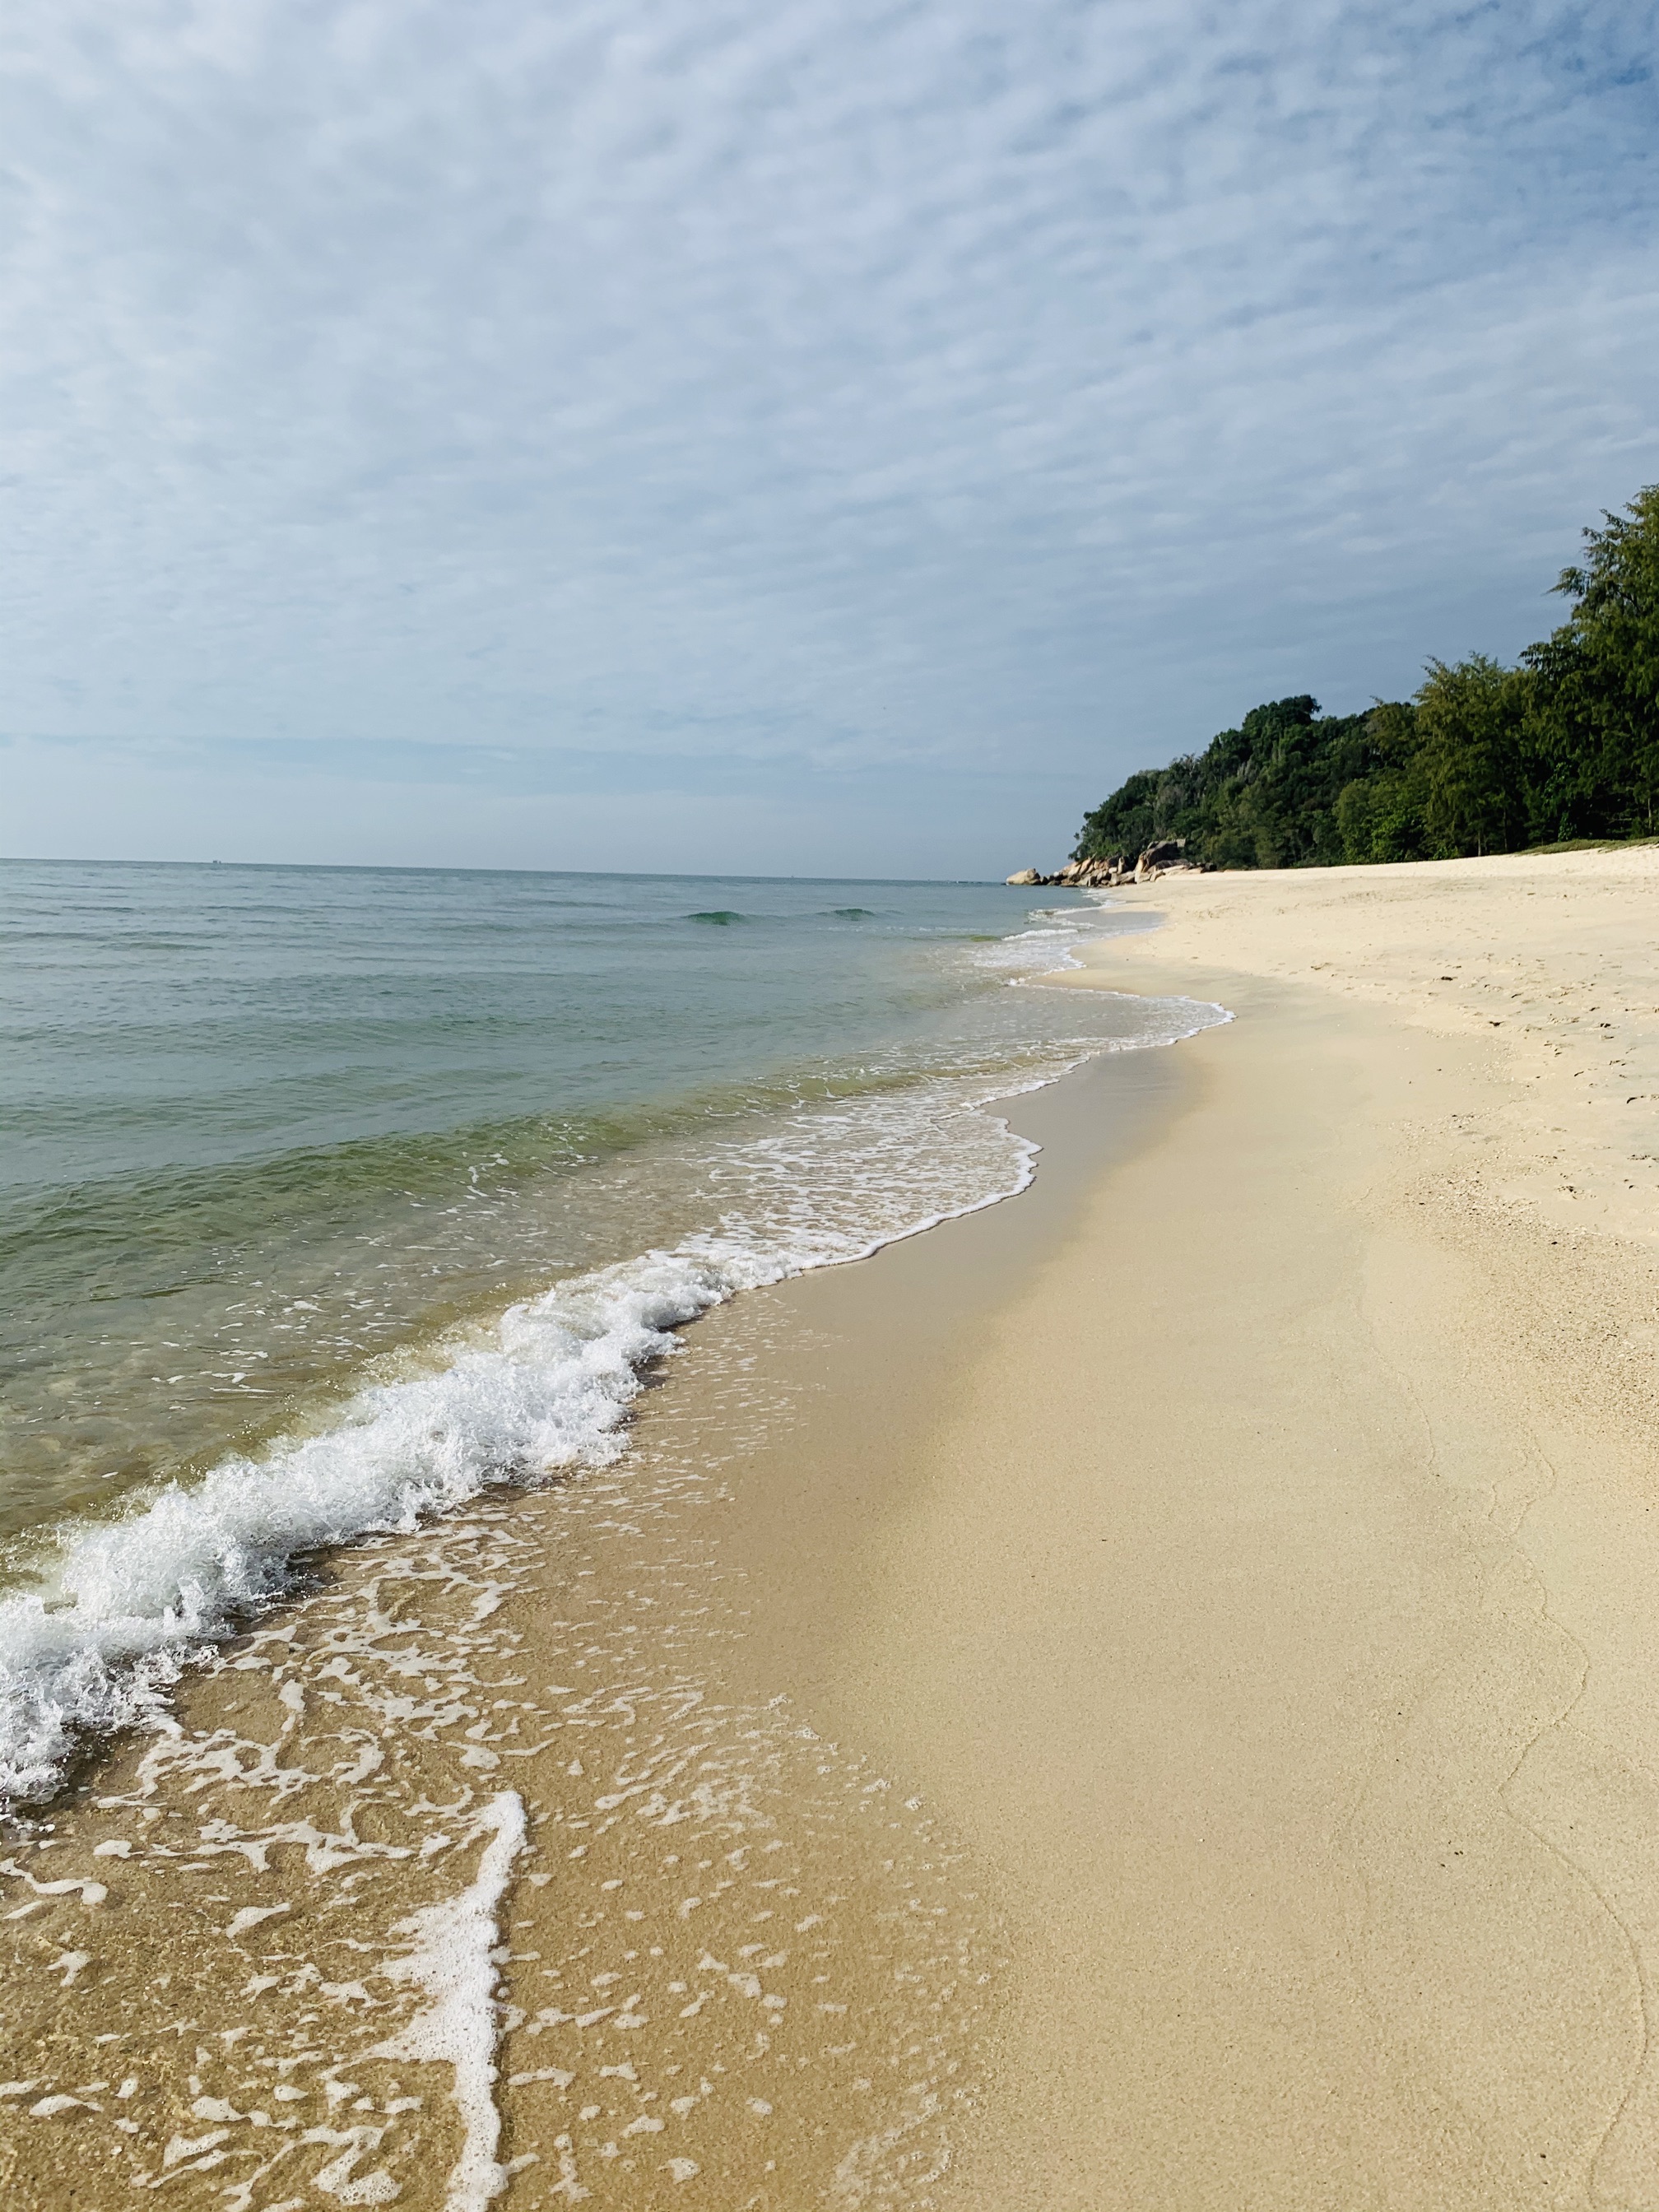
331,1198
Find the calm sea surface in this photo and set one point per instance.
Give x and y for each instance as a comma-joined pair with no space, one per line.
327,1195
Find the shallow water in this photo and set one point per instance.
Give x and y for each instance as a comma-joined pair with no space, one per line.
331,1196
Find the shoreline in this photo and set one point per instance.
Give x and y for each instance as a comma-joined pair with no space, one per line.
634,1576
1138,1696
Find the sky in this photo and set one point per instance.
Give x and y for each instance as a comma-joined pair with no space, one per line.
815,437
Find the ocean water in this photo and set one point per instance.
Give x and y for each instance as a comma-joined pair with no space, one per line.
329,1197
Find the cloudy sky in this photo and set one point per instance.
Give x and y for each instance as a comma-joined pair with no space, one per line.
815,436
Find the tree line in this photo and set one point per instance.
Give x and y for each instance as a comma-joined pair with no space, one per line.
1482,759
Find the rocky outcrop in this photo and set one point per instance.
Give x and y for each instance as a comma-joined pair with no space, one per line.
1166,858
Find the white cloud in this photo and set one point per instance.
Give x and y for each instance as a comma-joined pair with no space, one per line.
845,385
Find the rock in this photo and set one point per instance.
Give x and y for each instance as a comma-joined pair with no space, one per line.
1100,875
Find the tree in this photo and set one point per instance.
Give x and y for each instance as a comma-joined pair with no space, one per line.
1380,815
1472,763
1595,715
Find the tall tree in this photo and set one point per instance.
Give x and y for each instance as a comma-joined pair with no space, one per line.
1473,766
1596,713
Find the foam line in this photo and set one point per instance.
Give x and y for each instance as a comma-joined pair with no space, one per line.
452,1962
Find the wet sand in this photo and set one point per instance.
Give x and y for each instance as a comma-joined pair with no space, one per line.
1141,1697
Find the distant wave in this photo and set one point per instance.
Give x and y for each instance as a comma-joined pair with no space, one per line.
723,917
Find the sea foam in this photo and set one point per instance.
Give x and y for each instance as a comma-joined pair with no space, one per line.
452,1963
129,1602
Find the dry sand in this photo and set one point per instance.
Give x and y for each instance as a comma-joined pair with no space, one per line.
1144,1697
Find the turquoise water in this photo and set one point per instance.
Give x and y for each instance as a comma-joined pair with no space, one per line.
278,1140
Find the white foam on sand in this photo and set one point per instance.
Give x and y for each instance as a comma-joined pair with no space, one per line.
454,1962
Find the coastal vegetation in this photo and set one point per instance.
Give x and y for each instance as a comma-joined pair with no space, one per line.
1485,758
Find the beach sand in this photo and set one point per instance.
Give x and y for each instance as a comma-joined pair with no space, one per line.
1144,1696
1266,1597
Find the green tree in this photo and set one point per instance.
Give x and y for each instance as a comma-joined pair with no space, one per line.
1124,823
1381,814
1261,795
1595,709
1473,758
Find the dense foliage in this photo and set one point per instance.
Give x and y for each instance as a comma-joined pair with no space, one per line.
1485,759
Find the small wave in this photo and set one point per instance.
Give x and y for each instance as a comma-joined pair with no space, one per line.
722,917
1052,944
135,1599
853,913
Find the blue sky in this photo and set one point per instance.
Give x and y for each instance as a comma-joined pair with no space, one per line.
829,436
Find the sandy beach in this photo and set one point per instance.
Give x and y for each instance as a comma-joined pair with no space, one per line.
1140,1696
1266,1601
